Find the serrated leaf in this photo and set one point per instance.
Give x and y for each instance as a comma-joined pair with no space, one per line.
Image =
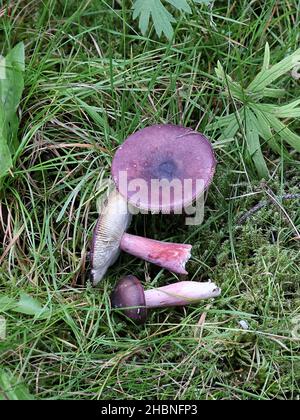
139,9
231,130
180,5
162,18
284,132
203,1
11,88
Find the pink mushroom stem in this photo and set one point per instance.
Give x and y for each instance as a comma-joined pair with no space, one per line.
168,255
180,294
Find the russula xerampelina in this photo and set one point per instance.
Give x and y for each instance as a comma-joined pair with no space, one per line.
159,152
151,155
133,301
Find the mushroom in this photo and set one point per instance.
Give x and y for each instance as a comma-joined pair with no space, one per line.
109,237
151,157
176,154
130,296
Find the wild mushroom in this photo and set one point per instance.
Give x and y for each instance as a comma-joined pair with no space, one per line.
179,155
155,154
109,238
130,296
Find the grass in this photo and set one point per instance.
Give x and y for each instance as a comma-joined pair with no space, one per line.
91,79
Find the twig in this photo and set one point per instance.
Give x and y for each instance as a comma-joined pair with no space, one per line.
265,203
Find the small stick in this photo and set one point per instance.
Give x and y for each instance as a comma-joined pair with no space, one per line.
265,203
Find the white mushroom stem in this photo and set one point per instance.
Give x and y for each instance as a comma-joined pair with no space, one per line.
180,294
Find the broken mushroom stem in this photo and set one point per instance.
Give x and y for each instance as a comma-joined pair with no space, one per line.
168,255
109,238
129,295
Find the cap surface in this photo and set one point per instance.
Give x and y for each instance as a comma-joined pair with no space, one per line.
163,154
129,294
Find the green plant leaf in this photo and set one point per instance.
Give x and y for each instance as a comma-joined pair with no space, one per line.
265,131
267,76
11,388
180,5
273,93
29,306
253,143
231,130
162,18
92,111
220,122
290,110
261,120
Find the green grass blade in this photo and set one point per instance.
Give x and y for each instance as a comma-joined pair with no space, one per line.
11,88
253,144
284,132
264,129
290,110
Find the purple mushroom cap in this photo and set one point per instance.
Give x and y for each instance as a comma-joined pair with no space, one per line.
162,155
129,295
